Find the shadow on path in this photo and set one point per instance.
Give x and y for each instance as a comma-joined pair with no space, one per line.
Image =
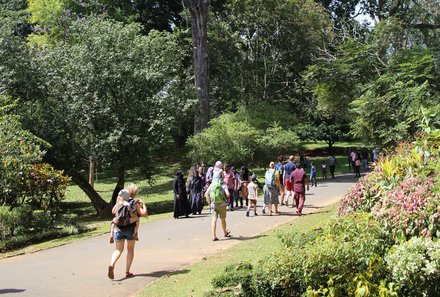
155,274
6,291
244,238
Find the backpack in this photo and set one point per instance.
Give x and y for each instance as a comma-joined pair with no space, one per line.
216,193
270,177
279,168
123,214
196,184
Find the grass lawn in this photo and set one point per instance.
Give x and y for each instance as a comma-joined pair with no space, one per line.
195,280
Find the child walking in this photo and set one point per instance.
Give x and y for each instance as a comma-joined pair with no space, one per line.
313,174
324,169
252,188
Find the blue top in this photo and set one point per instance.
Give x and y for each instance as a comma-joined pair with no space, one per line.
288,169
313,171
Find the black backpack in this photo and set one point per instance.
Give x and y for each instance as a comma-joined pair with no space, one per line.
123,214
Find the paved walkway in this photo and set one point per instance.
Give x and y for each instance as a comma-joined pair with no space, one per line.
80,268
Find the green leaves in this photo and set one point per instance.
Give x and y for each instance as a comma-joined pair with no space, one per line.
389,110
107,93
415,265
244,136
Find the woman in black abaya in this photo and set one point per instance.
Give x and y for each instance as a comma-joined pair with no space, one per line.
181,204
196,192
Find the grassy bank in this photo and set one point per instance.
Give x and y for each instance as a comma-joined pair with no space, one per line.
195,280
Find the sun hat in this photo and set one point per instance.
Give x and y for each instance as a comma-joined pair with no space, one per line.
124,194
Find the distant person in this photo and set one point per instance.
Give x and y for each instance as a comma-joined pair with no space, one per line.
271,189
229,180
288,169
252,195
244,181
279,168
353,155
217,172
313,174
375,155
349,160
324,169
123,233
195,192
364,155
332,165
218,196
202,174
181,204
357,165
208,177
237,187
299,181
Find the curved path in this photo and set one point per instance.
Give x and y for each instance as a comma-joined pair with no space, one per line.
167,245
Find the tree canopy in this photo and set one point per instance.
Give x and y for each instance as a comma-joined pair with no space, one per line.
113,83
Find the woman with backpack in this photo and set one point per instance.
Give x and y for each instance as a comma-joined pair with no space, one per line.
218,195
122,233
271,189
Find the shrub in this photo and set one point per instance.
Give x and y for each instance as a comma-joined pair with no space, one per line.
236,275
348,252
410,209
46,187
19,150
415,266
363,196
22,226
403,191
232,139
344,259
225,139
275,140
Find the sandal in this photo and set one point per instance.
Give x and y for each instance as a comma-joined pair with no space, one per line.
228,234
110,272
129,274
215,239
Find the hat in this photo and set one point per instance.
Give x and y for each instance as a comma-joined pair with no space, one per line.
124,194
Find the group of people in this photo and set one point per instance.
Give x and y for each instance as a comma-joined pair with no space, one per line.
223,188
360,158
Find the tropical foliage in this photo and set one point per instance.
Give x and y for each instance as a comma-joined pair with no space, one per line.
385,242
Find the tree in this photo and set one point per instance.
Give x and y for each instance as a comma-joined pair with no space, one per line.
389,111
106,98
19,151
277,40
199,22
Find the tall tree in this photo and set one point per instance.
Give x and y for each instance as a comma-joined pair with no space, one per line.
199,26
106,97
277,39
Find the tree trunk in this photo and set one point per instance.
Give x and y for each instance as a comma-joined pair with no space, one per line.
119,184
103,209
91,172
199,19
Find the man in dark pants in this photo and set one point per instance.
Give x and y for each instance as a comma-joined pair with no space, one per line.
332,165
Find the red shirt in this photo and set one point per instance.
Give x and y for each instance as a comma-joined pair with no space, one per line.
298,178
229,179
